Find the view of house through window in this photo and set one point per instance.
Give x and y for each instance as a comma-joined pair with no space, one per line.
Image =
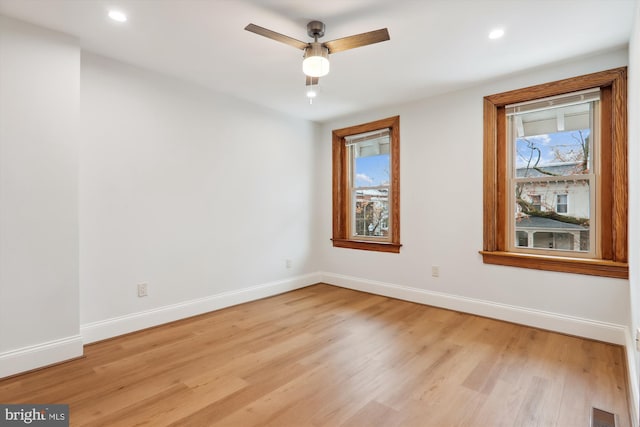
366,186
370,163
553,150
555,176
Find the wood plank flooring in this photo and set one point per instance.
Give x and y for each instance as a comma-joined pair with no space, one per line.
327,356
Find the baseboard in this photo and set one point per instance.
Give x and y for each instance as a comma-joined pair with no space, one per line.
601,331
37,356
109,328
632,379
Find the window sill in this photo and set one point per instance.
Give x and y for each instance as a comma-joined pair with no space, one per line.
367,245
591,267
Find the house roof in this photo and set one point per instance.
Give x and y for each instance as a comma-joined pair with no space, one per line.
560,169
546,223
436,47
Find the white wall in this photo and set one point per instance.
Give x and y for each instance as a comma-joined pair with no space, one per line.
196,194
441,221
39,95
634,200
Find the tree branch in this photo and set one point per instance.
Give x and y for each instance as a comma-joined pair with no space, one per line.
528,209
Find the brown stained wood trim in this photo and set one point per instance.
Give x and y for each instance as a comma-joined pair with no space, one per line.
339,202
395,183
501,186
620,200
490,177
606,176
572,84
612,186
389,122
592,267
367,246
340,184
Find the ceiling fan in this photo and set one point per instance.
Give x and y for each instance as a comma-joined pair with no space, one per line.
316,54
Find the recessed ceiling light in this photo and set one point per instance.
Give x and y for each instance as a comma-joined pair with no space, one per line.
496,33
118,16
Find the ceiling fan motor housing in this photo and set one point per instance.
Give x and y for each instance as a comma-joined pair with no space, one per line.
315,29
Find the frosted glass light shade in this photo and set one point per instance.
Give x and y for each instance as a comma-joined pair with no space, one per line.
311,92
316,60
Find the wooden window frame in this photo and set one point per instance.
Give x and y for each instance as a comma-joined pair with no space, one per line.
341,193
613,191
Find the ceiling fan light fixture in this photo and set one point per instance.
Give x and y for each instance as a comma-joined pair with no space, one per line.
316,60
312,87
311,92
316,55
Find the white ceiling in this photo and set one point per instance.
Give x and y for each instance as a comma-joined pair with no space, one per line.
436,45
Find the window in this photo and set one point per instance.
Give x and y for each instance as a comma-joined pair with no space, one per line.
369,162
366,186
536,202
561,204
543,146
523,238
553,148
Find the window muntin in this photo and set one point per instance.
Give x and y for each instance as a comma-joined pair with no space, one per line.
366,186
553,152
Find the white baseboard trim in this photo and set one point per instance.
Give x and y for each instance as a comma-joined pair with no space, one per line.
601,331
37,356
109,328
632,379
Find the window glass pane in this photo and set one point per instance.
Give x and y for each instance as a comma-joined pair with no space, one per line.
553,142
371,170
556,240
561,204
556,154
371,209
554,225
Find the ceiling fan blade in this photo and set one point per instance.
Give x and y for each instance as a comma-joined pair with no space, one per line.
310,81
276,36
357,40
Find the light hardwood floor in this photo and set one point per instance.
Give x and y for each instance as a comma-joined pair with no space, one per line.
327,356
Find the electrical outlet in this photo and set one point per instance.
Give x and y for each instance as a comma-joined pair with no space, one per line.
435,271
142,290
288,263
